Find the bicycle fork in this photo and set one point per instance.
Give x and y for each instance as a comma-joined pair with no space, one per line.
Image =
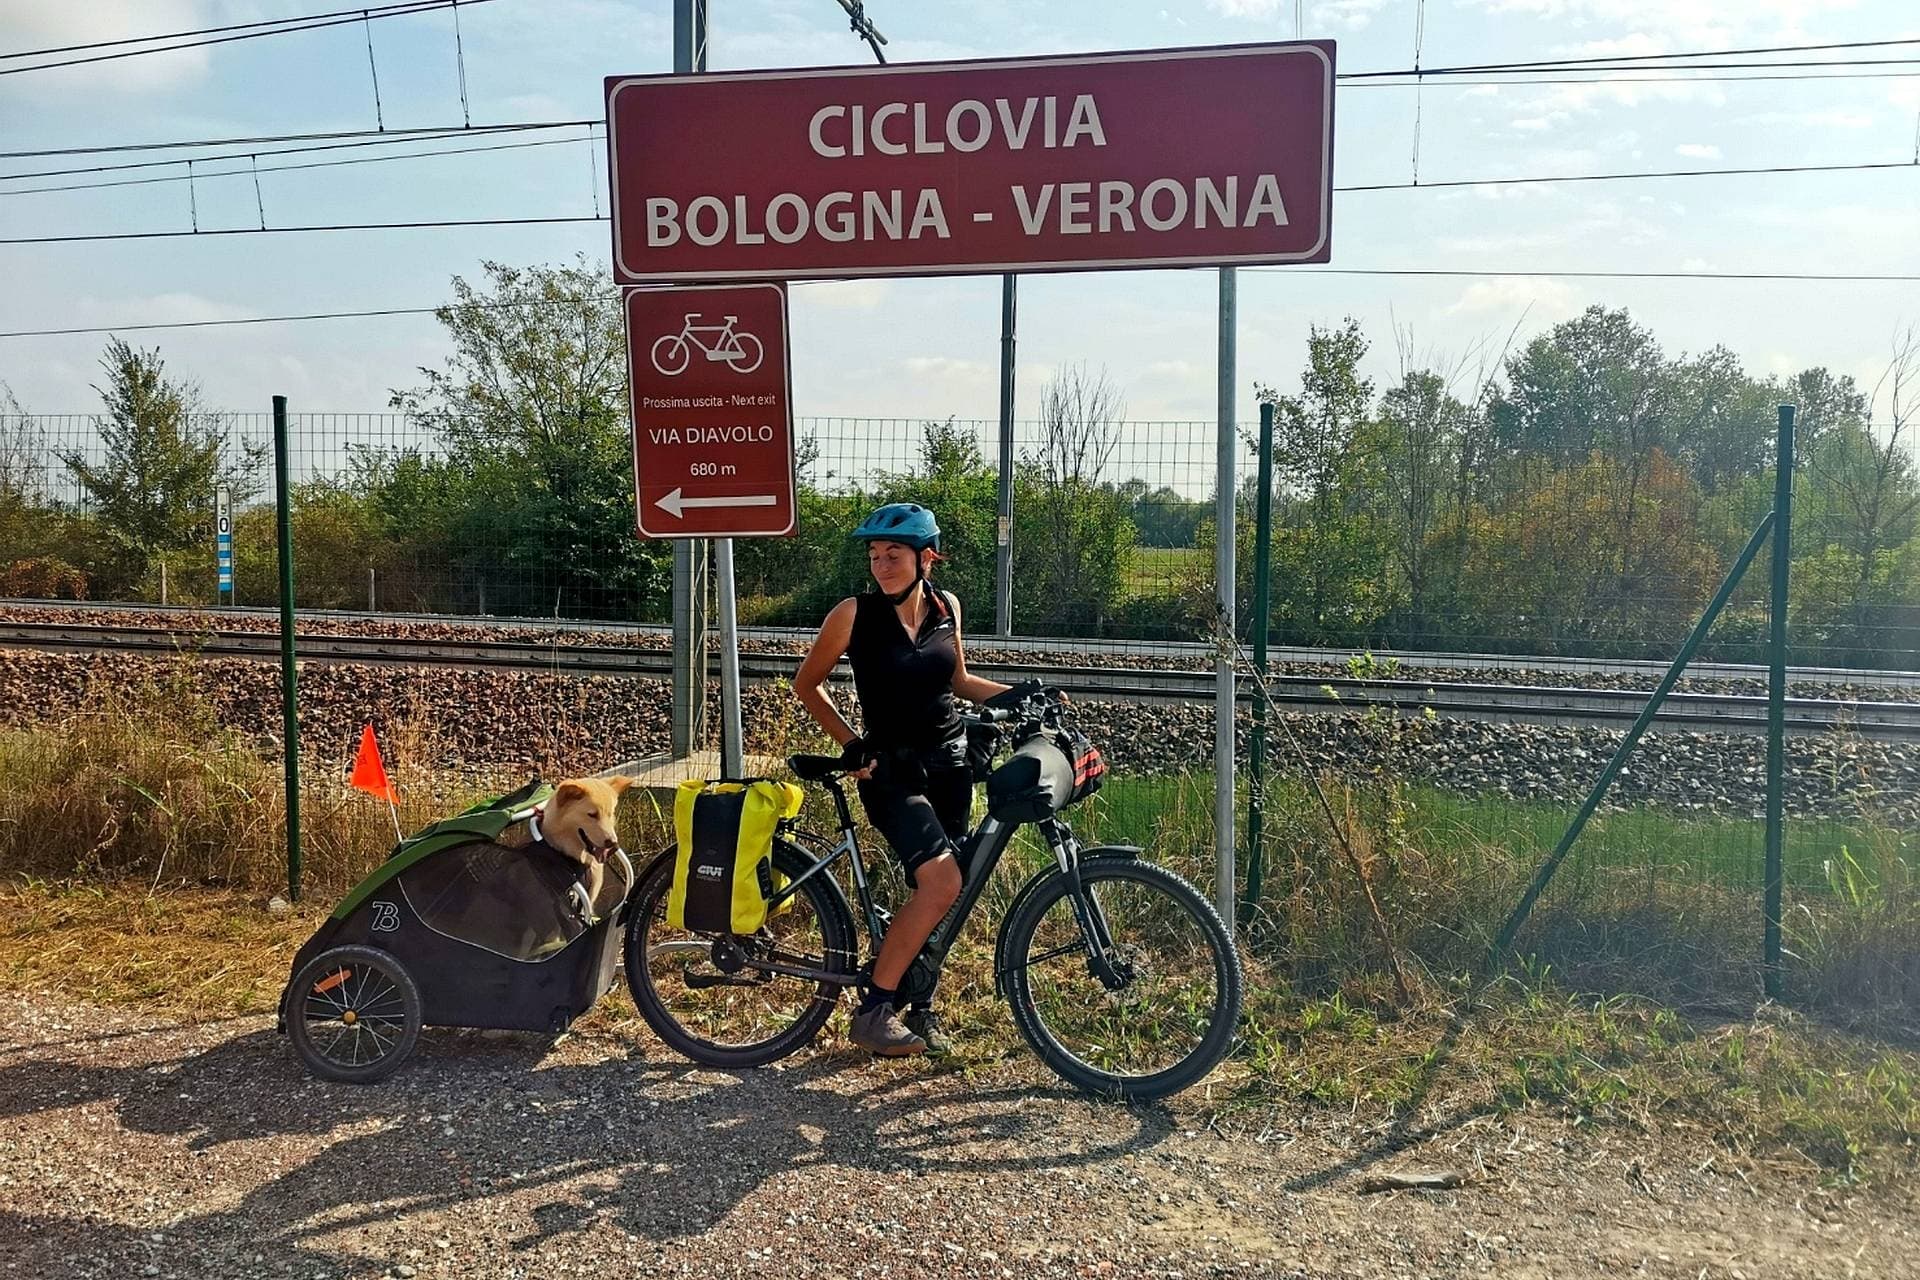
1114,974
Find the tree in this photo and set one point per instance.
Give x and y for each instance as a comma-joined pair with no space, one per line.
531,412
152,491
1420,430
20,452
1329,552
1597,382
1723,423
1072,539
1546,573
1867,509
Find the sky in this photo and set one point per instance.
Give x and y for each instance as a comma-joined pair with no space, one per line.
929,348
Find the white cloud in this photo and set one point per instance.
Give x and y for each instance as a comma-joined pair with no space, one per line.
1321,15
1682,24
949,368
42,24
1835,119
1697,151
1542,301
157,308
849,295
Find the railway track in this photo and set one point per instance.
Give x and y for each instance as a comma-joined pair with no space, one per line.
1189,653
1897,721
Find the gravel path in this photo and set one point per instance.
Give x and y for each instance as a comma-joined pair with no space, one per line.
134,1148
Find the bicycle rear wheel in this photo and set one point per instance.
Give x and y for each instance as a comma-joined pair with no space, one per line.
1169,1018
745,1018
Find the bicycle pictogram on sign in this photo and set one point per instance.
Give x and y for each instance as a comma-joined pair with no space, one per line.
738,350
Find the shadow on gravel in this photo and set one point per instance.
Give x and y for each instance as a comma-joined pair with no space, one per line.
1403,1133
659,1150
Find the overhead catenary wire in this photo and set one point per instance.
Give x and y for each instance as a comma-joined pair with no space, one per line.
1413,272
210,31
288,26
1631,60
365,137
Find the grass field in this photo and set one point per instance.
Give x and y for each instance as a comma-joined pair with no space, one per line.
1158,571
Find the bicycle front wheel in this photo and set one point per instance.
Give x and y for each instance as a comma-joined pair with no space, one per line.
745,1018
1163,1017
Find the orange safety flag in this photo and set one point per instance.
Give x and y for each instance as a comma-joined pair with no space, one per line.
369,772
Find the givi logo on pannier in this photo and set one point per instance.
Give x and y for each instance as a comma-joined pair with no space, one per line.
712,422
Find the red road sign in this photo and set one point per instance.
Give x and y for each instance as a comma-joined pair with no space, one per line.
712,417
1178,157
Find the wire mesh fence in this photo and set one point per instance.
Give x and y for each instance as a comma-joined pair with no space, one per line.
1565,567
1599,556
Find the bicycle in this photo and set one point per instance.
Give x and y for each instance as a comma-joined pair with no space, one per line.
1149,1009
740,352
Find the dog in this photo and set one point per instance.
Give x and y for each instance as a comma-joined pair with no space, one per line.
577,822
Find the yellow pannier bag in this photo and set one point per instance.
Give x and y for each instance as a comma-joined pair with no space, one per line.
723,853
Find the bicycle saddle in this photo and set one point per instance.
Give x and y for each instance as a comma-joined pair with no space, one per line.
816,768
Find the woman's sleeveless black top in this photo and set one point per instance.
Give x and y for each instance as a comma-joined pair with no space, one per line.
905,685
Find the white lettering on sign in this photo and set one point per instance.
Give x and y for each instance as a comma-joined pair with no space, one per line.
837,130
788,219
1162,206
711,435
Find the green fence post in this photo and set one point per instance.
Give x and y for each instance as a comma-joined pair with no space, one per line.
1262,582
283,521
1777,698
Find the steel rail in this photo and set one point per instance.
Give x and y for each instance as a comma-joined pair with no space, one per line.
1197,653
1469,699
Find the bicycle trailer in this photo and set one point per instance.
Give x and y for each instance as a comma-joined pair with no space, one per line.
454,929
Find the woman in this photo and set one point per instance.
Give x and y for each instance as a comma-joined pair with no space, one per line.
903,639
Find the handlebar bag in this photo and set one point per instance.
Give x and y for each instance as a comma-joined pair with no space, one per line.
1089,766
1036,782
723,853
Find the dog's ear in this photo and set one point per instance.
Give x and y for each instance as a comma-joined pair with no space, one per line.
567,791
619,783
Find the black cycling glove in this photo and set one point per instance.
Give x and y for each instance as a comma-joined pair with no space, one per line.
1012,698
856,755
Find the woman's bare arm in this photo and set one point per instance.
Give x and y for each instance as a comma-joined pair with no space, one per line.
808,684
971,687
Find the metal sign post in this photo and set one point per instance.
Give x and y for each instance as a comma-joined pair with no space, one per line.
690,583
1223,561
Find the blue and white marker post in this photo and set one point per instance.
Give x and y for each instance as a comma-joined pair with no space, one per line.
223,543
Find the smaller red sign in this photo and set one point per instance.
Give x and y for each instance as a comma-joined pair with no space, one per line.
712,412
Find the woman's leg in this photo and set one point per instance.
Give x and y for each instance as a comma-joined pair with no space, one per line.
936,885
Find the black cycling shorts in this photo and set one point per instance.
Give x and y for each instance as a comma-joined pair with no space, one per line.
922,812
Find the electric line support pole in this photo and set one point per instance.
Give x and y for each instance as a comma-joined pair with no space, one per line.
283,525
1777,698
1223,564
1003,528
1262,598
689,603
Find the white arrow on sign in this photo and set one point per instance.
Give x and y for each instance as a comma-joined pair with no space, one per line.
675,505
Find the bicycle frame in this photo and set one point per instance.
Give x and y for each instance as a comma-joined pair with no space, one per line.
980,852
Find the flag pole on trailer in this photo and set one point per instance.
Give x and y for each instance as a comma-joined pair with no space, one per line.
370,775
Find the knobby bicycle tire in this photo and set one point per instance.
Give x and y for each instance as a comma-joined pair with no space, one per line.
837,936
1225,1017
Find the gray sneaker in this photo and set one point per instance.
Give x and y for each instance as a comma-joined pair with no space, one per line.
879,1030
925,1023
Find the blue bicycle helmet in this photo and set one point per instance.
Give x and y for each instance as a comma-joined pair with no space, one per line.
907,523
